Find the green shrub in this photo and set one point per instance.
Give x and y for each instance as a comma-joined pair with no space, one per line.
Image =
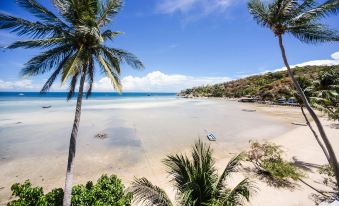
108,191
268,163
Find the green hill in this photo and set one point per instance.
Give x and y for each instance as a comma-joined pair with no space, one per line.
269,86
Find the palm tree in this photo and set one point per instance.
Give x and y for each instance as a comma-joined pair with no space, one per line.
196,181
301,19
74,41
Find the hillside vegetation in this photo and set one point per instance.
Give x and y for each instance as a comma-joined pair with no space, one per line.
269,86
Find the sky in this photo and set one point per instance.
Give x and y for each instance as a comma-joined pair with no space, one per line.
182,43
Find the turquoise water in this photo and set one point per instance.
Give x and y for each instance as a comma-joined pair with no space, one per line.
62,95
34,101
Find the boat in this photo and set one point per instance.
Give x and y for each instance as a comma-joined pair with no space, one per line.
211,137
21,94
46,107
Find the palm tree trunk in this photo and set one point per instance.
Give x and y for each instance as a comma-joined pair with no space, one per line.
315,134
72,144
333,159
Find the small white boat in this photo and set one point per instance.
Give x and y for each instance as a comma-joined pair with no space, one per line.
211,137
21,94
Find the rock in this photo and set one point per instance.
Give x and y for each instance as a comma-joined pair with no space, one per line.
101,135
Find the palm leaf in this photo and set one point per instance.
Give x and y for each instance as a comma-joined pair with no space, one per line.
90,78
42,43
232,166
108,34
239,194
41,12
313,33
108,9
46,61
146,193
28,28
72,86
72,66
113,76
126,57
52,78
259,12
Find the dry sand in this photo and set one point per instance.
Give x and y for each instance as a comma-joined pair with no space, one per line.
143,136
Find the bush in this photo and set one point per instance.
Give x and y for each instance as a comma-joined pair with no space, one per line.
108,191
268,162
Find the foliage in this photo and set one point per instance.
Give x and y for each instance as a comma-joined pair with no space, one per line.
108,191
268,161
269,86
196,181
325,93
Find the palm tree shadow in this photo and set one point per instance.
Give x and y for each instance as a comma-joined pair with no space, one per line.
334,126
266,177
306,166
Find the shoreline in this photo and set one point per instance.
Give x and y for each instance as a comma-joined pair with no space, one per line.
139,150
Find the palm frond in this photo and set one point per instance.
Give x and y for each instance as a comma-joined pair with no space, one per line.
46,61
327,8
28,28
54,75
180,169
108,9
239,194
72,66
108,34
313,33
110,72
259,12
232,166
90,77
72,86
42,43
41,12
146,193
126,57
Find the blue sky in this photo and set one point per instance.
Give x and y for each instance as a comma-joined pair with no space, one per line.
182,43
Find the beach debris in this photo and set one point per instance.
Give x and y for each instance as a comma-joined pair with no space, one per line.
299,123
46,107
249,110
211,137
101,135
1,188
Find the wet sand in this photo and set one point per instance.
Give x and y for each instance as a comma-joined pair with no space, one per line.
34,144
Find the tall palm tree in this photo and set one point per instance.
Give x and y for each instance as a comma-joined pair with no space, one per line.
74,41
196,181
301,19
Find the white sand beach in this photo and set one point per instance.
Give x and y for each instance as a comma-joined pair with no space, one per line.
34,143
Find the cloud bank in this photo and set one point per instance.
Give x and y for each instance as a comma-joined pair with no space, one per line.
157,81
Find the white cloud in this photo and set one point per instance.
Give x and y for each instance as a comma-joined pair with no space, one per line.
15,85
323,62
157,81
202,7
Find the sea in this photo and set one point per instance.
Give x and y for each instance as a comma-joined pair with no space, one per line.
17,96
33,101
